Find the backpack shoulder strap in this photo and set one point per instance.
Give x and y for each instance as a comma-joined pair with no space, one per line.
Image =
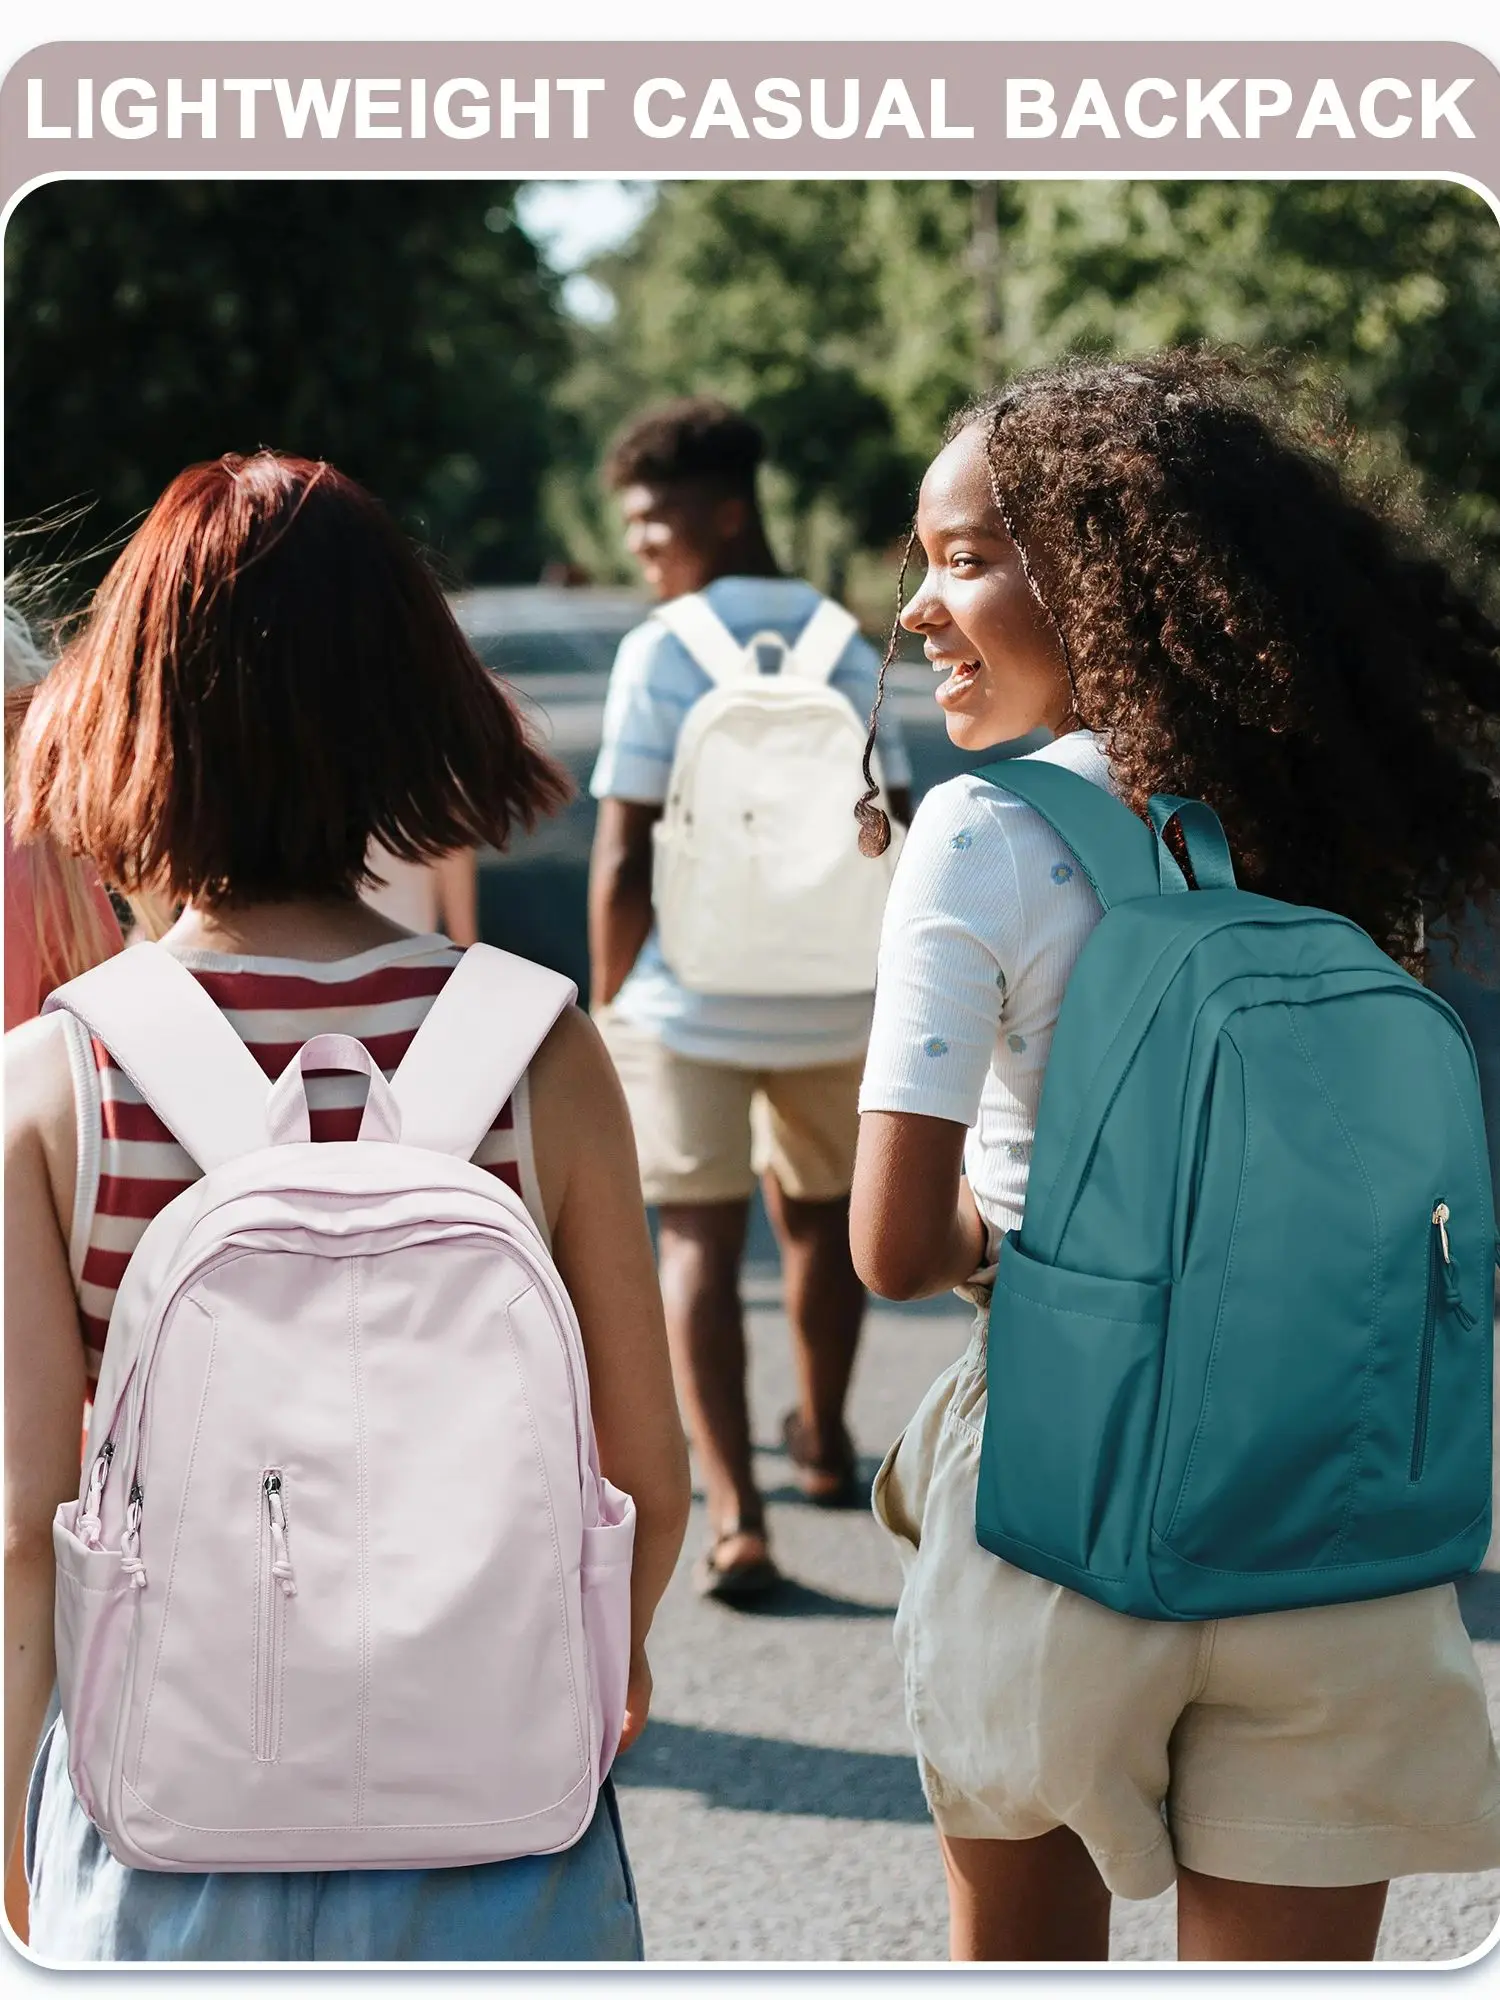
177,1049
1120,854
821,642
494,1012
695,624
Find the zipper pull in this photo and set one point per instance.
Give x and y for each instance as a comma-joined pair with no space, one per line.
281,1561
89,1523
130,1541
1440,1215
1452,1297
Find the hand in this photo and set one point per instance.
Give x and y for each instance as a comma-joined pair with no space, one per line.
972,1222
637,1697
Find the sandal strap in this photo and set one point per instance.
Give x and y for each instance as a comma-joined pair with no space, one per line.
740,1527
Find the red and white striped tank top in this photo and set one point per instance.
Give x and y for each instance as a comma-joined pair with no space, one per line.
130,1166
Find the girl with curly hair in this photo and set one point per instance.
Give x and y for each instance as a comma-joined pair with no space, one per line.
1191,592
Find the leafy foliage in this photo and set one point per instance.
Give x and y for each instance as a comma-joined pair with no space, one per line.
405,330
852,317
408,331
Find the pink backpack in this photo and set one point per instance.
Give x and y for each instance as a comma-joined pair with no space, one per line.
344,1587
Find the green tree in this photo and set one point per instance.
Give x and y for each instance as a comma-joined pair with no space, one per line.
852,317
760,292
1392,286
404,330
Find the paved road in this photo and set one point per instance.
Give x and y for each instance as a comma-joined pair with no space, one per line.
772,1806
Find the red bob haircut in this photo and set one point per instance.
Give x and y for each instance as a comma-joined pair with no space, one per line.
267,680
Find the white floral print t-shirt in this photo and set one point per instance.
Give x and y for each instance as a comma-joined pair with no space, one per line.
987,914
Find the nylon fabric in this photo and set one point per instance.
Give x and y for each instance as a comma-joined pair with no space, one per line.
343,1456
706,637
177,1049
1120,856
476,1043
1252,1276
758,883
288,1116
821,642
1208,850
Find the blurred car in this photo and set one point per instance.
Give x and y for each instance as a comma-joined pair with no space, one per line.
542,628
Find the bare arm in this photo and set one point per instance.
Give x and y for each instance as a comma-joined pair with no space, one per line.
458,895
45,1378
913,1226
586,1163
619,893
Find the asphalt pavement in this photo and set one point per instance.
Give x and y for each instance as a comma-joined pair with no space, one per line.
772,1806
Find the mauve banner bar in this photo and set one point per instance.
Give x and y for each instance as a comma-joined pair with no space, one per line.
703,108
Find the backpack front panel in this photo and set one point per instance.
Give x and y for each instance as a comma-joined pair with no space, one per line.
383,1332
759,884
1222,1355
424,1678
1314,1348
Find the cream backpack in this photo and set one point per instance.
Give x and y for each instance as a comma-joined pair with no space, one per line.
759,885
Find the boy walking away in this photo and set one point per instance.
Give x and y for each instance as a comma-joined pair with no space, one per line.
735,997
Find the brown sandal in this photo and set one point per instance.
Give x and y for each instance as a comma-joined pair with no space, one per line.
733,1583
821,1484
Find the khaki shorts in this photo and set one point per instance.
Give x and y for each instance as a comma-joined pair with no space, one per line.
705,1131
1316,1748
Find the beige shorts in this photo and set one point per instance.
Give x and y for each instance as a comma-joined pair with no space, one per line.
705,1131
1317,1748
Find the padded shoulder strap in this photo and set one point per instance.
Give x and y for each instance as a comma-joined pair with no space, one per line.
821,642
1119,853
479,1035
695,624
176,1048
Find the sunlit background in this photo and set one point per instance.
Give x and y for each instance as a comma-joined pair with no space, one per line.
466,348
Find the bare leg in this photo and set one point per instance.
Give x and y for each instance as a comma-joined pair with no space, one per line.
1259,1921
1025,1900
699,1248
825,1303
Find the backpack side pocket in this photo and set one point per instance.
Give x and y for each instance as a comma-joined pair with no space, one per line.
93,1622
608,1547
1074,1376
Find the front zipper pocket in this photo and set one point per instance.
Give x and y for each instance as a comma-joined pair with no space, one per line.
1436,1249
276,1585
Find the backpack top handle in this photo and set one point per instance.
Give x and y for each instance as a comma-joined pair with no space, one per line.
1203,836
289,1115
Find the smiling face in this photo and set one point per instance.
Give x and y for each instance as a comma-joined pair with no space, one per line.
981,626
681,534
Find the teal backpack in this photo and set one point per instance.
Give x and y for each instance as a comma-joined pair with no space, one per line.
1240,1347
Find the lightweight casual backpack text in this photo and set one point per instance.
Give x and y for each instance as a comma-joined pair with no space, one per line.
759,886
1240,1348
344,1586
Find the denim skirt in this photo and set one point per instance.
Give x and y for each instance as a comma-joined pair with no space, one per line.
87,1908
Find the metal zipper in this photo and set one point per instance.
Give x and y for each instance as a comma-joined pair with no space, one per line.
276,1584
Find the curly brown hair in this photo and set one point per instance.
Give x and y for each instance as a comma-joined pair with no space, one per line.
1251,618
698,438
